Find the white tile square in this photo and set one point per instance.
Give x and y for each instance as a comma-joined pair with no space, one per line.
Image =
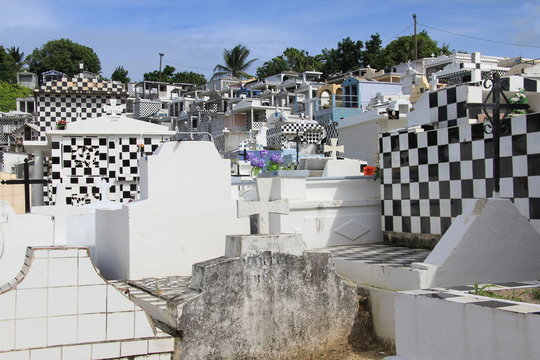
478,150
415,224
131,348
433,155
40,253
403,141
421,139
423,173
388,207
442,137
506,146
444,205
395,159
534,186
507,187
62,301
444,171
77,352
386,144
433,189
405,207
424,207
143,328
15,355
7,305
161,345
533,143
36,276
441,98
92,299
396,191
405,175
413,157
452,111
479,189
31,303
165,356
62,330
30,333
118,302
87,273
519,166
63,271
519,125
64,253
466,169
106,350
7,340
414,190
396,220
120,325
83,253
489,168
522,205
435,225
54,353
455,189
454,152
92,327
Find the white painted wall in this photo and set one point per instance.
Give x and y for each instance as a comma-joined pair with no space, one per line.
186,211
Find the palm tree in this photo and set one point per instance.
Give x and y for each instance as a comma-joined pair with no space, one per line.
16,55
235,62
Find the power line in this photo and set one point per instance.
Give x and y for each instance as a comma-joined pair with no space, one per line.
189,66
399,33
481,39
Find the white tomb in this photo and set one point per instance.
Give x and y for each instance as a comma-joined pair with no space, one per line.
186,211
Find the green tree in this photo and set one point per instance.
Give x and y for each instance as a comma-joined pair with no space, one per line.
291,60
8,67
120,74
236,62
346,57
402,49
63,55
374,54
189,77
9,93
17,55
166,74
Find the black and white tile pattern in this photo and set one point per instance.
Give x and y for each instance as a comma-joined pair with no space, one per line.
378,254
282,136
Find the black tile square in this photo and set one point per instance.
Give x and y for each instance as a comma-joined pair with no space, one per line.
445,224
405,191
413,140
433,99
461,109
432,138
452,123
422,156
533,164
443,153
415,207
488,149
387,160
519,144
406,224
380,146
396,175
396,207
102,141
443,113
413,173
453,135
533,122
465,149
477,131
394,142
444,189
55,145
404,158
534,208
479,169
451,95
434,207
433,172
506,127
387,191
491,303
455,207
530,85
388,223
455,170
467,189
489,186
506,166
521,187
132,141
425,225
87,141
423,189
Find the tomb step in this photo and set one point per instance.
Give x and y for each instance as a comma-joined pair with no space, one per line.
198,272
160,297
379,265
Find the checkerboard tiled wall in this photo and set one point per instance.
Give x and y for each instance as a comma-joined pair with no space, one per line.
426,175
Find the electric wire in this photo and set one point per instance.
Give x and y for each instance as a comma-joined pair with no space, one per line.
479,38
399,33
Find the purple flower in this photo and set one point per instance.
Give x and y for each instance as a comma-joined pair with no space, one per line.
250,156
276,158
256,162
264,153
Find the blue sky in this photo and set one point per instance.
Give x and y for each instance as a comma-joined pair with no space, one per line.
193,34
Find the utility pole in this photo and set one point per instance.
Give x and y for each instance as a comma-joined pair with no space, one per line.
160,57
415,39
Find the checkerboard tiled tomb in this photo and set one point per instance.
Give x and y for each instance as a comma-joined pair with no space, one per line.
75,99
427,175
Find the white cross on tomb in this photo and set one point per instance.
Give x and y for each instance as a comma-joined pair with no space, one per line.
263,207
333,148
113,109
104,186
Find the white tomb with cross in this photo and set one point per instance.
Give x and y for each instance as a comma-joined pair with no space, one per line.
340,167
112,109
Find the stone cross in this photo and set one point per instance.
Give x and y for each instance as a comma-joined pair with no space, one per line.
113,109
263,207
333,148
103,186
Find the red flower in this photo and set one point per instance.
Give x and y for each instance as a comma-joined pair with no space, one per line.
369,170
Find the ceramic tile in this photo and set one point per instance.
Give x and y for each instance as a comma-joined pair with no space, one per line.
62,301
16,355
106,350
7,305
77,352
62,330
7,340
92,327
87,273
31,303
92,299
130,348
142,325
30,333
118,302
63,272
37,275
64,253
161,345
120,325
54,353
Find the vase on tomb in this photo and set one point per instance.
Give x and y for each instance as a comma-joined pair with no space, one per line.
61,124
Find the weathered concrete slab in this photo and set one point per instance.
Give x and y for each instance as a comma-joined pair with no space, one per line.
246,245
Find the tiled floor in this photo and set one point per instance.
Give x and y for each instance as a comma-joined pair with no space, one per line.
378,254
